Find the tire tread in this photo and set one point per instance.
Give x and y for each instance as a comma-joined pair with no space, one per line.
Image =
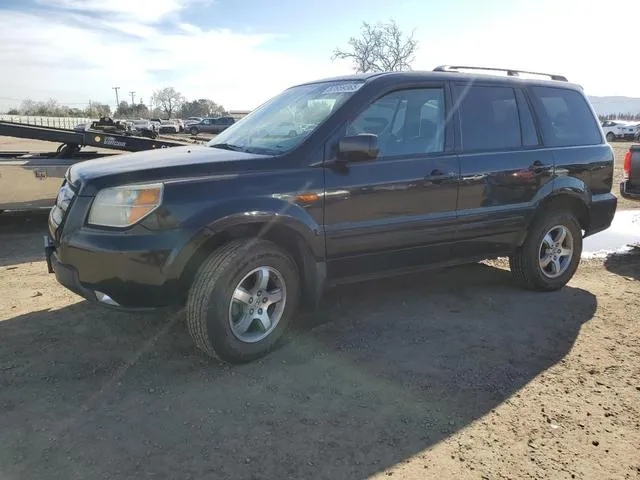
200,292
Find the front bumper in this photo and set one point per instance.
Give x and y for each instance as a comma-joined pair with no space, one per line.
629,193
121,270
66,275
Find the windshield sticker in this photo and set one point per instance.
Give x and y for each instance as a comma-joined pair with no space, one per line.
343,88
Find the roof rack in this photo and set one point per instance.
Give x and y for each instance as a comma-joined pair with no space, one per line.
510,72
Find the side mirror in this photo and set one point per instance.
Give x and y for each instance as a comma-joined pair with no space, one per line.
358,148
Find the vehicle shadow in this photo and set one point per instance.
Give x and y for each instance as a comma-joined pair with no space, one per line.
383,371
625,264
18,244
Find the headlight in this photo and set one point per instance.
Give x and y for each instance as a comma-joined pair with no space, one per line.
126,205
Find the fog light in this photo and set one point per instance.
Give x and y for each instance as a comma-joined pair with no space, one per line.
106,299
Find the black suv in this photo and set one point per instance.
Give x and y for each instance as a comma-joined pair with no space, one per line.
211,125
334,181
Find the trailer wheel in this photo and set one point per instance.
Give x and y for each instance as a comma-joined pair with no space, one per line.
67,150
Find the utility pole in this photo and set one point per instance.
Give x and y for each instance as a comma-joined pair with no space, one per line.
117,99
132,98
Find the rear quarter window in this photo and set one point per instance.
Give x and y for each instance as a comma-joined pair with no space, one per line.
566,119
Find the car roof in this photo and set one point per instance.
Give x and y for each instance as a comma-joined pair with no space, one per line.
447,76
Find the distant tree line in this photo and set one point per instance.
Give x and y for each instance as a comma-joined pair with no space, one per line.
166,103
52,108
620,116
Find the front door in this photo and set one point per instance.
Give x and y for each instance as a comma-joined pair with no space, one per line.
398,210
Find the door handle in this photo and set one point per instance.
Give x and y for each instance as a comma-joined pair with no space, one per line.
537,166
436,176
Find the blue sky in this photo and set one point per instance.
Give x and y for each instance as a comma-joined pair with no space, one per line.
241,52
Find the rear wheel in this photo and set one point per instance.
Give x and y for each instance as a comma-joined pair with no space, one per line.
242,300
610,137
550,254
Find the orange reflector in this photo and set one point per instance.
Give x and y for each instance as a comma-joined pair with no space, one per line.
307,197
147,200
148,197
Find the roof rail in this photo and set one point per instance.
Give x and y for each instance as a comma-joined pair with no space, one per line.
510,72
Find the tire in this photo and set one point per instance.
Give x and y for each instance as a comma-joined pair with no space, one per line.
215,318
193,131
610,137
526,262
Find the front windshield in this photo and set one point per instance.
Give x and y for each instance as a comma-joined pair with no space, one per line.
285,121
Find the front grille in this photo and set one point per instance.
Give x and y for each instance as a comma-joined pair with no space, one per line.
63,200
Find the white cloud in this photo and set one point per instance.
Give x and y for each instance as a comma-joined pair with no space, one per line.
144,11
77,58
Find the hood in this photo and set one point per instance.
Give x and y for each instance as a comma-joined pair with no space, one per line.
160,164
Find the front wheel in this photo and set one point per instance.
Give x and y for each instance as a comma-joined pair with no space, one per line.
610,137
193,131
242,300
550,255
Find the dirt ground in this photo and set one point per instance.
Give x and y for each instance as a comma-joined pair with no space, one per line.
452,374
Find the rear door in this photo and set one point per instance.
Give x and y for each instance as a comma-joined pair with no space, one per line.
502,167
399,210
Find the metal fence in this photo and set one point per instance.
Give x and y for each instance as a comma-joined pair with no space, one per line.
56,122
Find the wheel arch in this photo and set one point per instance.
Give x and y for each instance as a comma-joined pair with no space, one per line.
562,199
284,232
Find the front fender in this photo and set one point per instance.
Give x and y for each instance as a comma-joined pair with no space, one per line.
217,218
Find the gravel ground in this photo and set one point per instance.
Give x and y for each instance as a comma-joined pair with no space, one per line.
452,374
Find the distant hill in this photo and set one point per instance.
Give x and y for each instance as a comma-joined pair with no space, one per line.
614,105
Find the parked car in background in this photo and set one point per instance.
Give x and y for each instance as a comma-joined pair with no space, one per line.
192,120
169,126
157,122
404,170
630,186
620,130
211,125
144,128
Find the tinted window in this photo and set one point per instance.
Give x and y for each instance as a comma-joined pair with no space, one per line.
489,118
566,118
527,125
407,122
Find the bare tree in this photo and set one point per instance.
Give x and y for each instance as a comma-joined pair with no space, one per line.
168,99
380,48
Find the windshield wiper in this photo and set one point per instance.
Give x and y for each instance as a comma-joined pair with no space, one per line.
228,146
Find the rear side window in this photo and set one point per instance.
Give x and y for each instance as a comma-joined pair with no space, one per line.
489,118
566,118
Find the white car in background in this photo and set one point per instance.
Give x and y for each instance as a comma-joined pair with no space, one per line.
169,126
620,129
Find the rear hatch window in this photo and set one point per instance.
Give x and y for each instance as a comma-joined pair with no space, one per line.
566,118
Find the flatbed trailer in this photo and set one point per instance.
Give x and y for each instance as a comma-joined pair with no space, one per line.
30,181
72,140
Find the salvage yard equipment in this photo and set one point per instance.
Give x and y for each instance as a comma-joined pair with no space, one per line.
30,181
